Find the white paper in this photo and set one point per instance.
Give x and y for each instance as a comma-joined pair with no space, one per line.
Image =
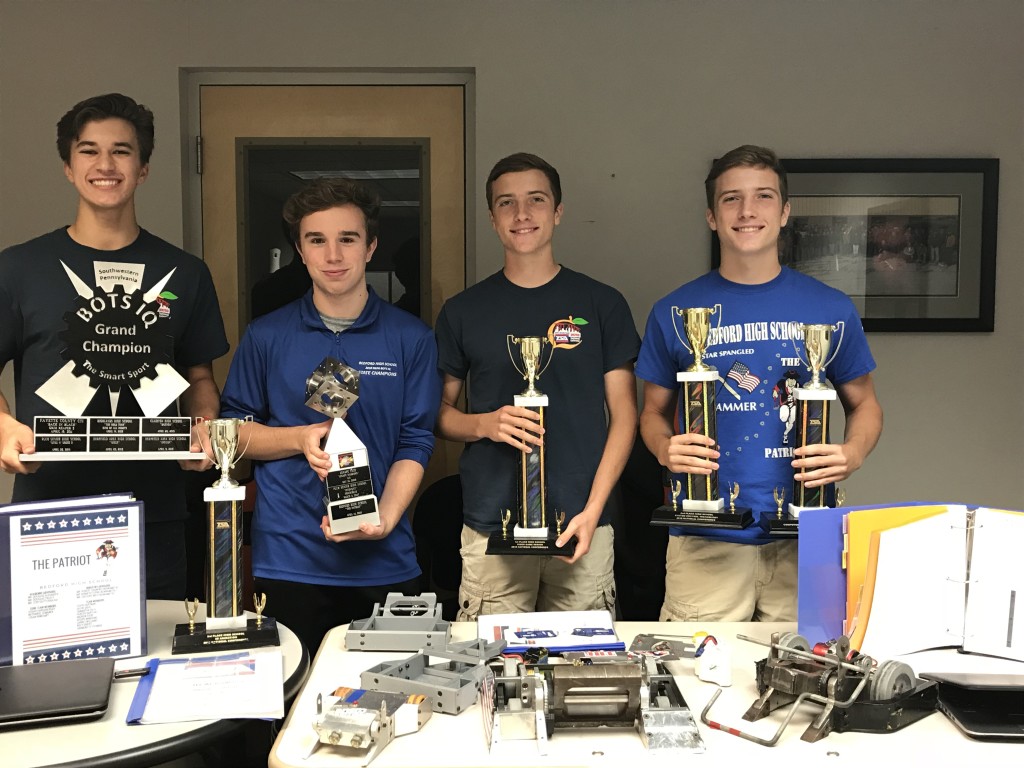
918,597
237,685
994,620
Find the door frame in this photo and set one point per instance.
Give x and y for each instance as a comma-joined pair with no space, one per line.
191,80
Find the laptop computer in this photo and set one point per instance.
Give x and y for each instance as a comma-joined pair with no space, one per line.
54,692
983,706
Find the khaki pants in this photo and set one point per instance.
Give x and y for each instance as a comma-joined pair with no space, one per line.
707,580
525,583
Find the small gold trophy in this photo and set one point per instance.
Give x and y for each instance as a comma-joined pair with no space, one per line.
782,525
702,506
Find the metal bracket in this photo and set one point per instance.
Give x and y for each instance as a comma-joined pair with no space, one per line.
402,624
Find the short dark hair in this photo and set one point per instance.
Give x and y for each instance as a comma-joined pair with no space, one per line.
748,156
324,194
69,127
524,161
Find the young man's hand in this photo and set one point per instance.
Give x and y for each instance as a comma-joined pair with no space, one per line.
365,531
582,527
689,454
519,427
202,461
818,465
312,439
16,438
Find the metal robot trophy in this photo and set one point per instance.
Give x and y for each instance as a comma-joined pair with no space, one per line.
226,624
812,406
702,505
533,532
332,389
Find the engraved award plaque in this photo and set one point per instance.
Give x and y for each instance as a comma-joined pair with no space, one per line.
535,529
226,625
701,505
332,389
813,402
114,351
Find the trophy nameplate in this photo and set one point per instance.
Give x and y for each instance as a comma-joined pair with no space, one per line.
226,624
535,529
349,498
111,438
701,506
813,404
113,342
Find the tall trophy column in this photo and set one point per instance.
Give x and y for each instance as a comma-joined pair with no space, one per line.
226,624
532,532
813,403
702,506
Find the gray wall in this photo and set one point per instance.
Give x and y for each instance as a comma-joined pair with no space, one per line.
630,101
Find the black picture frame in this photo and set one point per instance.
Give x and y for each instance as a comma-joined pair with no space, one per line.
911,241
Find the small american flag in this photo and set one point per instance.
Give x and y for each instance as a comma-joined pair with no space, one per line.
742,376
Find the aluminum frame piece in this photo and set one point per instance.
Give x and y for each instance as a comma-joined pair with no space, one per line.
452,685
402,624
666,724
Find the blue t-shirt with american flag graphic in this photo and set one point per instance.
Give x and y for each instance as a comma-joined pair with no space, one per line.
756,349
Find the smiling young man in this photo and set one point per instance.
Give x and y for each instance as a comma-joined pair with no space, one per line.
315,580
591,371
105,144
730,575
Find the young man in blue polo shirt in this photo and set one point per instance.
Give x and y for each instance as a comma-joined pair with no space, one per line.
315,580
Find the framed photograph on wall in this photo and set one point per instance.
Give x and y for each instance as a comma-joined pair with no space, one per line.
912,242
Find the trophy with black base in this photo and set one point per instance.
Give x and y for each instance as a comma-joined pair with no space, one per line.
702,505
813,403
534,531
350,501
226,624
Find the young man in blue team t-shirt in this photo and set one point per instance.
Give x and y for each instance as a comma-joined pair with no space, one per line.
739,575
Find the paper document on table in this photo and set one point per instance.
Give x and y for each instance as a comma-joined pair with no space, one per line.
557,631
236,685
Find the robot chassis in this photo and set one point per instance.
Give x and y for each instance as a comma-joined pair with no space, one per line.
856,693
525,700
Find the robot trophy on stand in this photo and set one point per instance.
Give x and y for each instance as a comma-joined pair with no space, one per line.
332,389
226,624
702,505
533,533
